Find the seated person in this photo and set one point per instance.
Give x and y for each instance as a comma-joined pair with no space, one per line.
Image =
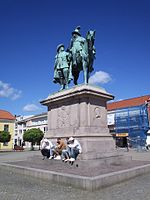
46,148
57,151
73,150
65,156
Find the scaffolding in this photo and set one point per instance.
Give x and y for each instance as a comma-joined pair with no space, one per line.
134,121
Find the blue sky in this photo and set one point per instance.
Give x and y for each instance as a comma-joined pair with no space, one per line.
30,30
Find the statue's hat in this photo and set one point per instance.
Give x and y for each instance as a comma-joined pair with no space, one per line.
60,45
77,31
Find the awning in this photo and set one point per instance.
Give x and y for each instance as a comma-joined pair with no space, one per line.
122,134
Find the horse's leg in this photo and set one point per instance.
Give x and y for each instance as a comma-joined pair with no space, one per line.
75,73
76,76
88,75
85,72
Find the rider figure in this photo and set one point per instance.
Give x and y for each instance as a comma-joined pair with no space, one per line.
78,46
62,68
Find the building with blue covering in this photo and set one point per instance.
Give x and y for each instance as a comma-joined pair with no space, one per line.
130,118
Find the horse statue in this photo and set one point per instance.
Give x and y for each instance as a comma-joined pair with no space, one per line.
83,54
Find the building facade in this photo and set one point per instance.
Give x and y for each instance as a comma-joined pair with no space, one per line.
20,128
7,123
24,123
130,117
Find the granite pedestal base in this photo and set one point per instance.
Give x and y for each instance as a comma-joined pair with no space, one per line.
81,112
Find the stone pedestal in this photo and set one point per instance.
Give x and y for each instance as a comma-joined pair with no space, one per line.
81,112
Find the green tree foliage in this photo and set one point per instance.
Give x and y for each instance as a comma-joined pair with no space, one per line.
33,135
4,136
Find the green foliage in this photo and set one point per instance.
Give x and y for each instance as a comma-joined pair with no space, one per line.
4,136
33,135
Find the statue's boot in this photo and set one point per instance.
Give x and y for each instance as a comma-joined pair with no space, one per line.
75,82
66,86
62,87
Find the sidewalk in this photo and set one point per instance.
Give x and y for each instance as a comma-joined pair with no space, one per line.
140,155
35,161
137,155
31,164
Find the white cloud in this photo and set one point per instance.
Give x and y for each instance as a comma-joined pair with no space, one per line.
100,77
9,92
31,108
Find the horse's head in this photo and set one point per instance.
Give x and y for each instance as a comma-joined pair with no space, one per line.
90,36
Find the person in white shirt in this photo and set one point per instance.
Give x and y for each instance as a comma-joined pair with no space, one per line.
46,148
74,149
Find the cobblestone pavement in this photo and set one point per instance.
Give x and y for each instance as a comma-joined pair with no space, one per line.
33,159
18,187
17,155
82,170
139,155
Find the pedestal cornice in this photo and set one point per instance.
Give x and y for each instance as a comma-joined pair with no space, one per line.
82,90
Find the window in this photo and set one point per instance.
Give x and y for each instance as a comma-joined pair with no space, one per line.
6,127
5,144
15,142
45,129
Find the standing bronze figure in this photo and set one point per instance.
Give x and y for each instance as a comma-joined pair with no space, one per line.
62,68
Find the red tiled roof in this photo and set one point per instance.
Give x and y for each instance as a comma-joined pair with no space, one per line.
128,103
6,115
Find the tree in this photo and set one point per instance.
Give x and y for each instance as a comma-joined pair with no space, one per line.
4,136
33,135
